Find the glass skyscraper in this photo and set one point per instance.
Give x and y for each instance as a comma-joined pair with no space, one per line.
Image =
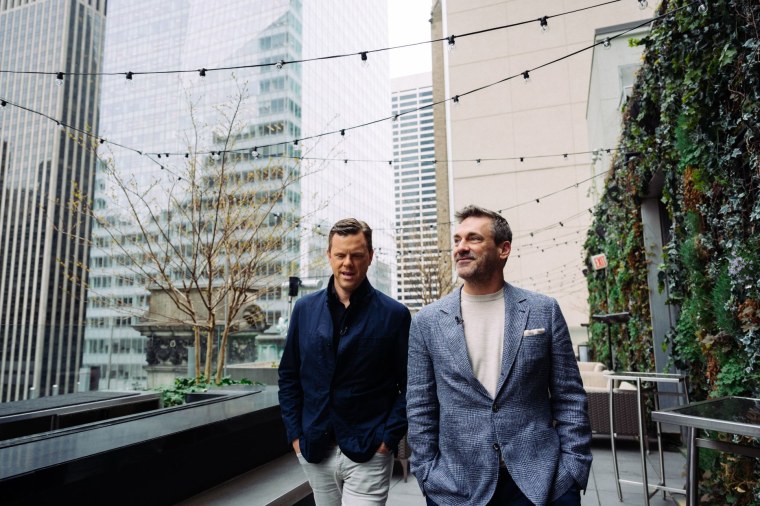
179,112
415,192
43,167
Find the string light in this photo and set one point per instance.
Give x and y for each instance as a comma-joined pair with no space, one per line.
59,79
526,76
456,99
606,43
255,152
544,24
702,8
343,132
363,55
643,4
281,63
202,72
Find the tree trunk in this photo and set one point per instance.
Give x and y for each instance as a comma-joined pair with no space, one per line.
209,347
197,344
222,354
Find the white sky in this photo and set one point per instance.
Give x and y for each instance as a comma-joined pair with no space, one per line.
409,22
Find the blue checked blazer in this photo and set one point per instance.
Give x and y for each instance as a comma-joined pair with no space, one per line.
538,422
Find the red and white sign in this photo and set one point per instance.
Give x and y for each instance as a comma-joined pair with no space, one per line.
599,261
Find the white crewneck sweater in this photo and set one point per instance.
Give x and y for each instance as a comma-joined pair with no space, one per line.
483,317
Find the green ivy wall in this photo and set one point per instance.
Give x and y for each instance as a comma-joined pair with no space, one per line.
694,117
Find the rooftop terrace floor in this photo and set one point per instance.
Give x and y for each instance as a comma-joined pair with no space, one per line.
601,485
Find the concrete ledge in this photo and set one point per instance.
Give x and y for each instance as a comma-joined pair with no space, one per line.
280,482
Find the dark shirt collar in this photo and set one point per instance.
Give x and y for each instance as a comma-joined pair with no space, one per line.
361,291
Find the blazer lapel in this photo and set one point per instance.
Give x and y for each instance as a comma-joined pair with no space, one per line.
452,329
515,319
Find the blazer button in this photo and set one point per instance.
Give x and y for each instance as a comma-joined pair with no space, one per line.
496,446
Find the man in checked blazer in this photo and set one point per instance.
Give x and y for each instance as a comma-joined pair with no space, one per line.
497,413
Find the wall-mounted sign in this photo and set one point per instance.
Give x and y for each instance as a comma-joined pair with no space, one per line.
599,261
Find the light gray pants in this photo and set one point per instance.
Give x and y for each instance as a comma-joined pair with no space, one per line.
338,480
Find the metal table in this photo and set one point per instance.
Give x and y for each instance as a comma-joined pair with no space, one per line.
637,378
734,415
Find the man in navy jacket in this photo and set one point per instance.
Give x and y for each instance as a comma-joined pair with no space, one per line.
343,377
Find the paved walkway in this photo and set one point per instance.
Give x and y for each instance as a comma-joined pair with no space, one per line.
601,486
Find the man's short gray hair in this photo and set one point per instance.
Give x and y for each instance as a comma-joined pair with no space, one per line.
500,227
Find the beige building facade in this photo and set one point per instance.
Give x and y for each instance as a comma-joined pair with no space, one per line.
521,146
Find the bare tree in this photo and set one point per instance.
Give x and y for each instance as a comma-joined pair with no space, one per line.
425,268
213,233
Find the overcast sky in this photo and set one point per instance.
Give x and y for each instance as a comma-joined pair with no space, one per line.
409,22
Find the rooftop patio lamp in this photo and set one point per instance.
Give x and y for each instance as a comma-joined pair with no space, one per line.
609,319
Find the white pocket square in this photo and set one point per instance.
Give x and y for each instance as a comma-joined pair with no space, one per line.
534,332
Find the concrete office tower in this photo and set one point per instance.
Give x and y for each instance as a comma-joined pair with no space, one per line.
522,131
418,258
151,113
340,94
42,275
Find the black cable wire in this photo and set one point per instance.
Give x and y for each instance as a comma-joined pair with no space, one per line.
342,131
204,70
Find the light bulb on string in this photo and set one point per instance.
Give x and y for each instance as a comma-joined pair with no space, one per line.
452,42
255,152
3,103
214,155
128,77
526,76
702,8
280,64
643,4
365,61
606,43
543,22
455,99
202,72
59,79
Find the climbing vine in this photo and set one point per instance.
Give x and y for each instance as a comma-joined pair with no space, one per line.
693,122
